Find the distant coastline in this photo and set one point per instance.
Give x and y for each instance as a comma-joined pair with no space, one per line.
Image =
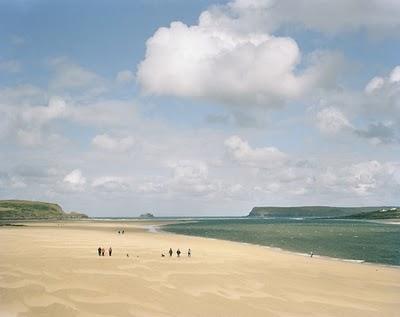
369,212
17,210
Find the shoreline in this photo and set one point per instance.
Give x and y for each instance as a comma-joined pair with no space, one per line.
160,223
158,229
298,253
284,251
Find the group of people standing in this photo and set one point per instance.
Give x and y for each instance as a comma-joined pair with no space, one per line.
178,252
101,251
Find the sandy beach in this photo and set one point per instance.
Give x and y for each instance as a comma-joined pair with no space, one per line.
53,270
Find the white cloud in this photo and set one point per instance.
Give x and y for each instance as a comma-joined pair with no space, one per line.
219,60
104,113
26,122
374,84
385,99
375,16
375,110
14,182
111,184
191,177
17,183
189,170
38,115
69,76
30,122
31,137
108,143
380,133
363,178
21,95
331,121
151,188
29,116
125,76
230,56
266,157
75,180
395,75
393,169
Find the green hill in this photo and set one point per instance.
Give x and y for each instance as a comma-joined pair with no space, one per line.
391,213
310,211
30,210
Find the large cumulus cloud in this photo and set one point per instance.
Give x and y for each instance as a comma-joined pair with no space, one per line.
226,60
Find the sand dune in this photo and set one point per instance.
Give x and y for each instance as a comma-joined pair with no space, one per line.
54,270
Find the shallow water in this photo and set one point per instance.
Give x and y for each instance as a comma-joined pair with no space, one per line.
347,239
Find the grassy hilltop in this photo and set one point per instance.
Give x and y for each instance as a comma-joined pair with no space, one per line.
30,210
392,213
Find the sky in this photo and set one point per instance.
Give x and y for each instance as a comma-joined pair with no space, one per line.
199,108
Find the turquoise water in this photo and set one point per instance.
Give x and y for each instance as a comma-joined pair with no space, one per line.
355,240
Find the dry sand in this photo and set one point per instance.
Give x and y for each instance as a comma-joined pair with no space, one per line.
54,270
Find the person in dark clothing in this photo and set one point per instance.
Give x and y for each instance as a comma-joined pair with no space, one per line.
189,253
103,251
178,252
170,251
109,251
99,251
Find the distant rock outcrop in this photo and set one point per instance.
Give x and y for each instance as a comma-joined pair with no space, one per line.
34,210
147,215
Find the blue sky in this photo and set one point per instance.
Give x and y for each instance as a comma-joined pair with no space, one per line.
108,108
93,33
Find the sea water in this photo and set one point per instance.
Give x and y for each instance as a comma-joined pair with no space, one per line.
346,239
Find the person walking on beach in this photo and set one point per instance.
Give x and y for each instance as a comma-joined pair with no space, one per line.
103,251
170,251
109,251
178,252
99,251
189,253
